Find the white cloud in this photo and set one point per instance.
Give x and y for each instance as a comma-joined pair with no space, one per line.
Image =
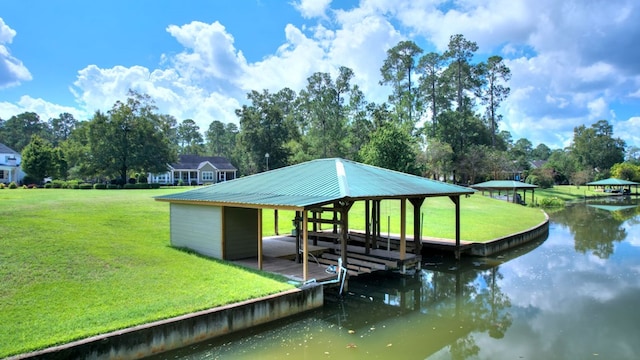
312,8
99,89
627,130
568,67
12,70
43,108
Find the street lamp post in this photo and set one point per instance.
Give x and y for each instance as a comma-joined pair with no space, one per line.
266,156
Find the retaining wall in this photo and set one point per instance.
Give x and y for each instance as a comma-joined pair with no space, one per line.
511,241
164,335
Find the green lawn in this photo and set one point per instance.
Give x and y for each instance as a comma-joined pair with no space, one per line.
569,192
76,263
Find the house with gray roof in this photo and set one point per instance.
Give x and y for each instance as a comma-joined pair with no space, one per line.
196,170
10,169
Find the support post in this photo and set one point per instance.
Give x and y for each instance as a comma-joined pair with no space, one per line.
417,225
275,221
456,201
367,226
305,245
260,239
403,228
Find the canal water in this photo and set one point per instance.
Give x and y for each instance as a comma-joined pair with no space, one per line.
573,295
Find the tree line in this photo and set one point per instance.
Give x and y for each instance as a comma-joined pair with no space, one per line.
440,121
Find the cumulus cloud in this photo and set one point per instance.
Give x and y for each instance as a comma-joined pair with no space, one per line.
570,63
46,110
99,89
312,8
12,70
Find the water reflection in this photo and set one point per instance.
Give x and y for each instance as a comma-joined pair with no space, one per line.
573,296
597,226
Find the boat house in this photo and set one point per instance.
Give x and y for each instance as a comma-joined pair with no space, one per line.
224,220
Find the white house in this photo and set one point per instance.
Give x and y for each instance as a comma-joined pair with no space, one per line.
10,169
196,170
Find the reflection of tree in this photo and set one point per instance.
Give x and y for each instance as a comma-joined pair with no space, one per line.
480,305
594,229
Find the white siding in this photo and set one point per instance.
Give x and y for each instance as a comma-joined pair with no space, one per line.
198,228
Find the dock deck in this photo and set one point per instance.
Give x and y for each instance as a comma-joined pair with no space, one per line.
279,256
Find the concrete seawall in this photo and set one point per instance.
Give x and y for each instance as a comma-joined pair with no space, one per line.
511,241
169,334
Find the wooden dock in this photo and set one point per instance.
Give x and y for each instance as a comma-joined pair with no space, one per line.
279,257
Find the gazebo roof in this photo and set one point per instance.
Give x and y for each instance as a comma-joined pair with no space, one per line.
316,183
612,182
503,185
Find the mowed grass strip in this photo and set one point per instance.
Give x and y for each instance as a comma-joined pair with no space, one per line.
76,263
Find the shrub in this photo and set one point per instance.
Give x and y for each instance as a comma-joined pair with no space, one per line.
130,186
551,202
28,179
85,186
132,180
99,186
154,186
58,184
13,185
1,185
113,186
48,185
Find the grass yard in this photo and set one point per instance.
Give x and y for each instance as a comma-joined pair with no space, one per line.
569,192
76,263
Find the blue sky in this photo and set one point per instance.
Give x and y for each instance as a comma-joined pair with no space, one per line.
573,62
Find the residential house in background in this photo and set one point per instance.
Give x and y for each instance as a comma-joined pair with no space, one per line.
10,169
196,170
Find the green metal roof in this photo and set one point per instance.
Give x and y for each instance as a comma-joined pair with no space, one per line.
612,182
613,207
317,182
503,185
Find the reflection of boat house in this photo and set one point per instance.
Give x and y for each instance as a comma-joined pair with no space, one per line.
225,220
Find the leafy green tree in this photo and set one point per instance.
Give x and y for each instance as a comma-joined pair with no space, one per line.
189,138
626,171
322,105
37,158
462,73
16,132
562,164
397,71
439,159
541,152
431,66
263,131
61,128
391,147
215,138
596,148
128,138
496,74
